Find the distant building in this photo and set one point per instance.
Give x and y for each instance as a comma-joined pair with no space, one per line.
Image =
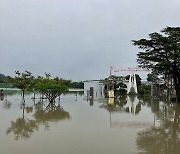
94,89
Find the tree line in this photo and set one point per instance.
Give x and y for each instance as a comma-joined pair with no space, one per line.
50,87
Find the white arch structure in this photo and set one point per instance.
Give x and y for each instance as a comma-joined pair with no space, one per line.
132,85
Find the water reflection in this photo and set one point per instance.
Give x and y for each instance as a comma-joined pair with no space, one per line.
29,109
23,127
52,113
129,104
6,104
123,125
133,105
91,102
1,97
123,105
164,137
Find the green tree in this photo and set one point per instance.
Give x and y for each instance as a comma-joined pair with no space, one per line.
51,87
117,82
23,81
2,78
152,77
144,89
162,54
120,88
77,85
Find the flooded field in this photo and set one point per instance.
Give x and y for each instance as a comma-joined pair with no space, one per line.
75,125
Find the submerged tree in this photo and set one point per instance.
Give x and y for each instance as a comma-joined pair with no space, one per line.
51,87
162,54
23,81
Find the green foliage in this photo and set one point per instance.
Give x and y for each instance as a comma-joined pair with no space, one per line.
76,85
152,77
6,85
2,78
161,51
144,89
23,81
162,54
120,88
117,82
121,85
51,87
115,78
122,91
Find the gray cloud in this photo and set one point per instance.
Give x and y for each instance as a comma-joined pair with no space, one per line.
77,39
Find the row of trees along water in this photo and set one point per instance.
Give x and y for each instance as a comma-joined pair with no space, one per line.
50,87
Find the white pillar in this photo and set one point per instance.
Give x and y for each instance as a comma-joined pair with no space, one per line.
132,85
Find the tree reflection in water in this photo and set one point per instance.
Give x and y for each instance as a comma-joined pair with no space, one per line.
52,113
1,97
164,137
23,127
6,104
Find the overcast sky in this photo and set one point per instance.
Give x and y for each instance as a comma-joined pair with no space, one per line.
78,39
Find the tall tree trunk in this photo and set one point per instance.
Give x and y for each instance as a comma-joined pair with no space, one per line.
176,78
178,94
177,88
23,91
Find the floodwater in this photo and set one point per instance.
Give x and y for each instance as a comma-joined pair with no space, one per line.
75,125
